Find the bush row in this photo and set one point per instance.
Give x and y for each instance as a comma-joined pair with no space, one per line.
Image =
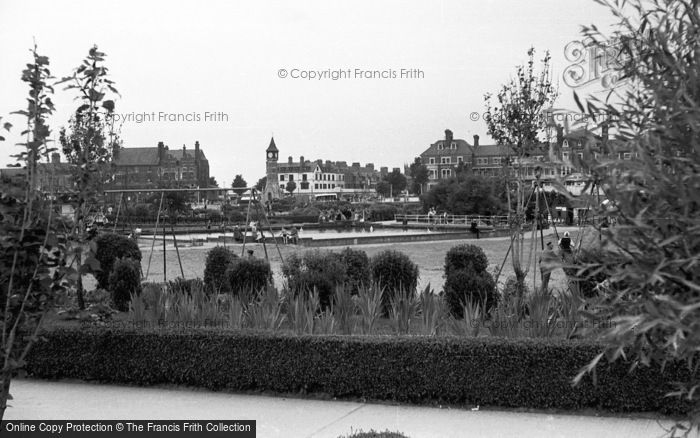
482,371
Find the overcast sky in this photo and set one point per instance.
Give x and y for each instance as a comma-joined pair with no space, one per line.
194,57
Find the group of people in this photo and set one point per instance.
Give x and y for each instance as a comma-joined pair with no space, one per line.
550,260
290,236
434,217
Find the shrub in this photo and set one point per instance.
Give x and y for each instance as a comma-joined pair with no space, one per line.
382,212
248,276
464,286
467,280
317,270
465,257
111,247
218,260
393,271
357,269
523,373
124,280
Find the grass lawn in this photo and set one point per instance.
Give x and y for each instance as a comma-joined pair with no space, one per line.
429,256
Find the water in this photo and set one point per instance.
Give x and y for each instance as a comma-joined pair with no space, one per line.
317,233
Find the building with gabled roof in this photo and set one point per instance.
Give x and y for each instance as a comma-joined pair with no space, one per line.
154,167
316,179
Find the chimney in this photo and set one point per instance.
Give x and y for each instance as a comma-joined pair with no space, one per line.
198,174
184,149
161,152
448,136
55,158
355,164
370,166
560,135
383,170
301,160
476,141
290,160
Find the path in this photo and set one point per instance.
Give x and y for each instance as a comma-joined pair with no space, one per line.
301,418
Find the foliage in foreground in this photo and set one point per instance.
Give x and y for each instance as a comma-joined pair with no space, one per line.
374,434
651,252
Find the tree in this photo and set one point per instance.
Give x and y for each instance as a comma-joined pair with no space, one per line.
474,194
397,182
212,182
89,143
383,188
260,185
652,295
517,120
419,173
291,186
238,181
33,269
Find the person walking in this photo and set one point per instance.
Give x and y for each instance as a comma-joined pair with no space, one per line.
549,261
475,229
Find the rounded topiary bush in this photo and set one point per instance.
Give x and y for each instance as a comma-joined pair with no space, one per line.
466,286
317,270
466,257
111,247
124,280
357,268
467,280
218,260
393,271
247,277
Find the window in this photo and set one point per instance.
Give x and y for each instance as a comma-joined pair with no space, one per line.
453,145
446,173
496,160
482,161
565,144
565,155
445,160
333,186
291,177
332,177
303,177
460,160
432,160
580,155
626,156
432,174
304,185
440,146
281,177
316,186
282,186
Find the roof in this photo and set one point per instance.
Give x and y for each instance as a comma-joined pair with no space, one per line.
463,148
489,150
137,157
272,147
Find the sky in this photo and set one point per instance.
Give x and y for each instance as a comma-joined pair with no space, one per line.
237,72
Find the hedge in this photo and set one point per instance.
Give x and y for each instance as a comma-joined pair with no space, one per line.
482,371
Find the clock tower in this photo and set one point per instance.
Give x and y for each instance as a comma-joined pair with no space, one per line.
272,187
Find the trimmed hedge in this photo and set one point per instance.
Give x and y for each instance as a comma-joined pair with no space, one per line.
484,371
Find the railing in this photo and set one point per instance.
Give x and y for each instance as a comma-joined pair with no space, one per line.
454,219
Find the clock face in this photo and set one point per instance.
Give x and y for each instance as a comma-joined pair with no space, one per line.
269,155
